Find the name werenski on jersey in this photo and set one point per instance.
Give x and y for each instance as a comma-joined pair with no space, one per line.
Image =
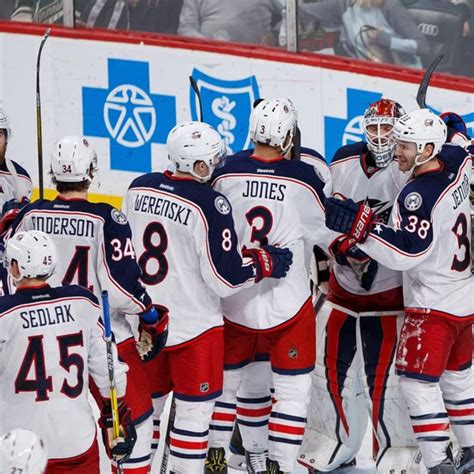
264,190
62,225
461,192
162,207
38,317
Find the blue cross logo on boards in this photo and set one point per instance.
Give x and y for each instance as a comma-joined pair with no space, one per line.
128,114
339,132
226,105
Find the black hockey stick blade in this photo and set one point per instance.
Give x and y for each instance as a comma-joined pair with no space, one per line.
425,82
198,95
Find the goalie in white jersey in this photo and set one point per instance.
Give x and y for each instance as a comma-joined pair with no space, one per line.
95,244
429,240
358,327
51,341
190,256
279,201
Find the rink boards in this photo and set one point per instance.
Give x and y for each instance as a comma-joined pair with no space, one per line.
125,92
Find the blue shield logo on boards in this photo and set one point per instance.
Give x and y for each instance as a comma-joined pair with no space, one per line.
128,114
344,131
226,106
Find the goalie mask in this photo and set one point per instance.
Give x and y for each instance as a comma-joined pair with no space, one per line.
34,252
379,120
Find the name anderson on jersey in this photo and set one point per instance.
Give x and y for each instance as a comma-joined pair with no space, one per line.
62,225
162,207
38,317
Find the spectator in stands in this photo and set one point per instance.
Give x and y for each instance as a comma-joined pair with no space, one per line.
6,9
377,30
245,21
156,16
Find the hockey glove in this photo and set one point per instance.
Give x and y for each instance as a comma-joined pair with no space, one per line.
7,219
153,329
349,218
120,448
269,261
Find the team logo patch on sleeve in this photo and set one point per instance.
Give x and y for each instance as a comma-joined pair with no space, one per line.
413,201
222,205
119,217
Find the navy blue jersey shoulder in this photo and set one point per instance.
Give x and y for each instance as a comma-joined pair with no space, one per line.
313,153
429,186
353,149
19,169
298,170
198,193
45,293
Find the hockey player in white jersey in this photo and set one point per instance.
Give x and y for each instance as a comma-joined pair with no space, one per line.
95,244
429,240
190,256
358,327
15,183
279,201
51,341
21,451
254,397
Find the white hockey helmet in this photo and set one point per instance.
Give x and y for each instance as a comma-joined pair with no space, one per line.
4,122
421,127
22,451
73,160
273,122
382,144
35,253
190,142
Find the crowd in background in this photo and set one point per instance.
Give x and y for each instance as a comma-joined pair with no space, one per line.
405,32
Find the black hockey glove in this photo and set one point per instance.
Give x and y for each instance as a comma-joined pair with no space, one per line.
349,218
120,448
153,329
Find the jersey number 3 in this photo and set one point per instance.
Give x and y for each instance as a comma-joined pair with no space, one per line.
460,229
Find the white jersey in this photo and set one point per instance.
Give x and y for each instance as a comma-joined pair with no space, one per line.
95,251
279,202
429,237
16,185
378,187
188,251
51,341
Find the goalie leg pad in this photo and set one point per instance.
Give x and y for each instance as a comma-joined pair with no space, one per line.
337,415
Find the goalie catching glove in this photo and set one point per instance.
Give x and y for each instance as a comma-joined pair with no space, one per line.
348,254
269,261
349,218
118,449
153,329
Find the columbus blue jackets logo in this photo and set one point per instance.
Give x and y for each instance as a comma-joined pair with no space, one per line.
222,205
226,105
118,216
413,201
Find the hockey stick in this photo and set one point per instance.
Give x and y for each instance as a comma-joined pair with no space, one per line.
39,133
198,95
167,449
110,367
425,82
